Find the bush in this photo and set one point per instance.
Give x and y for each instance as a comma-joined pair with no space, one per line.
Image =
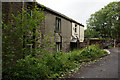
50,65
75,55
92,52
29,68
58,63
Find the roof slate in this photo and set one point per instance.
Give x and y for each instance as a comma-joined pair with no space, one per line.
59,14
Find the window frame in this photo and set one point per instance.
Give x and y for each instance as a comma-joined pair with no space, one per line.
75,28
29,11
58,46
58,25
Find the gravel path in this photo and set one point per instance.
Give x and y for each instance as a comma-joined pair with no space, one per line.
107,67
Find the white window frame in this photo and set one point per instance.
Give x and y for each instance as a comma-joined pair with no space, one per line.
75,28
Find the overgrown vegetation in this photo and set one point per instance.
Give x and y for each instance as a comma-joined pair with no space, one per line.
51,65
21,36
22,62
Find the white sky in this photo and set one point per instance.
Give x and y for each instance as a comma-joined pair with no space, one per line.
79,10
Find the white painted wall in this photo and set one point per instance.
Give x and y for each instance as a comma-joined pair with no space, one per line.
75,34
79,33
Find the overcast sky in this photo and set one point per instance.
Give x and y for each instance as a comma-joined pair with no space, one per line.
79,10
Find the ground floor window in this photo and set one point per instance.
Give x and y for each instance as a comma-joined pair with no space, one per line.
58,46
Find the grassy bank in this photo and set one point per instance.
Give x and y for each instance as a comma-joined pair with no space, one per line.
51,65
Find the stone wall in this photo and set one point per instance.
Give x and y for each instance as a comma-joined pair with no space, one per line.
65,33
47,26
10,7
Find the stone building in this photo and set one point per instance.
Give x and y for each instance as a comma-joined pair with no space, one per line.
68,33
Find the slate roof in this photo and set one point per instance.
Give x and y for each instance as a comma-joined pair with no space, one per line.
59,14
55,12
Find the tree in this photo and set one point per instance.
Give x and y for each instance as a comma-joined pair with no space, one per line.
19,30
17,34
106,21
91,33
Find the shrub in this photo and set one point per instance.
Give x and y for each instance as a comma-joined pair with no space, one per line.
66,63
57,63
92,52
75,55
29,68
50,65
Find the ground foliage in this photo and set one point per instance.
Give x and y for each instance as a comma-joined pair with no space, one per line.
21,31
51,65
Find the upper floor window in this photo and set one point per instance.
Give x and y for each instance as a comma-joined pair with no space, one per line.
58,25
75,28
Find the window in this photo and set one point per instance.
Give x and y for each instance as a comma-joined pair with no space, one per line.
29,10
75,28
29,13
29,47
58,46
58,25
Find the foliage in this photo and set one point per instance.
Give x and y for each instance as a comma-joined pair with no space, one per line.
91,33
28,68
21,31
105,22
18,32
92,52
22,62
51,65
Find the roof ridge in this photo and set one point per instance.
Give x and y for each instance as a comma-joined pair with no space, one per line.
60,14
